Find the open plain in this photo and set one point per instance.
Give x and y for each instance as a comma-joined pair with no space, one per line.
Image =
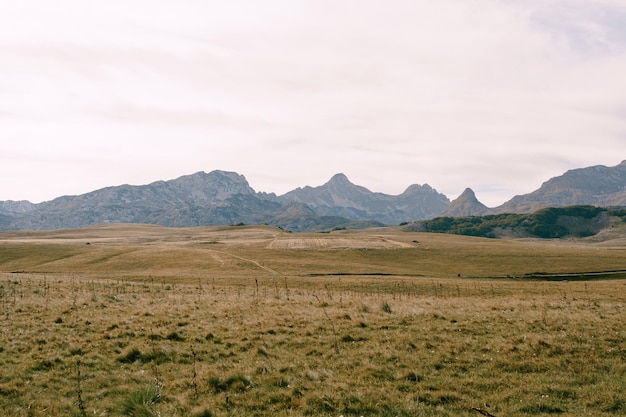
139,320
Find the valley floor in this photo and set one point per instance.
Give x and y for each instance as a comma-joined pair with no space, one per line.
229,322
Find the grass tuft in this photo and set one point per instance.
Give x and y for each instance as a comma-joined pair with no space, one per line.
541,409
235,383
141,403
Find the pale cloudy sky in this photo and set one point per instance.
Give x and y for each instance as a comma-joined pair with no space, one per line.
496,95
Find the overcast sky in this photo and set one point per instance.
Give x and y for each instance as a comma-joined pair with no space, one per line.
496,95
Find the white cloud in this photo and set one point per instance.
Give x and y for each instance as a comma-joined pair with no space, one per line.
497,96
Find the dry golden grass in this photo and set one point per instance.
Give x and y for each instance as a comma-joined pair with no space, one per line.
142,251
150,321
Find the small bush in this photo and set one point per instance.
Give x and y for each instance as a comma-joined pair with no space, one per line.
175,337
217,384
386,307
238,383
132,356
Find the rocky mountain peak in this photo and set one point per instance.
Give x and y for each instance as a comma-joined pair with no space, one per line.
416,189
339,184
340,197
215,185
339,178
465,205
469,194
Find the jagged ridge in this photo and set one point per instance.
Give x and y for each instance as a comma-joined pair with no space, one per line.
220,198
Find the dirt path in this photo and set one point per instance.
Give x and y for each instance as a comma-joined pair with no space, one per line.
374,242
217,255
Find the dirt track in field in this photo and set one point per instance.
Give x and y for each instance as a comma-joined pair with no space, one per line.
337,243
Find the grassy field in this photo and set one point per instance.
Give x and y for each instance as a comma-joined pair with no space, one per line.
253,321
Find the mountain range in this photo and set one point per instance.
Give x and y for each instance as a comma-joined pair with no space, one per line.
596,185
222,198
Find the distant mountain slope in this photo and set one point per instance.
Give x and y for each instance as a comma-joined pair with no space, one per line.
576,221
216,198
16,207
169,203
597,185
340,197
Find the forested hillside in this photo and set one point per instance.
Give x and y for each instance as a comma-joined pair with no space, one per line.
577,221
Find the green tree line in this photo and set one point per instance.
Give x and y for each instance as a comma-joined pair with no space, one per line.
545,223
